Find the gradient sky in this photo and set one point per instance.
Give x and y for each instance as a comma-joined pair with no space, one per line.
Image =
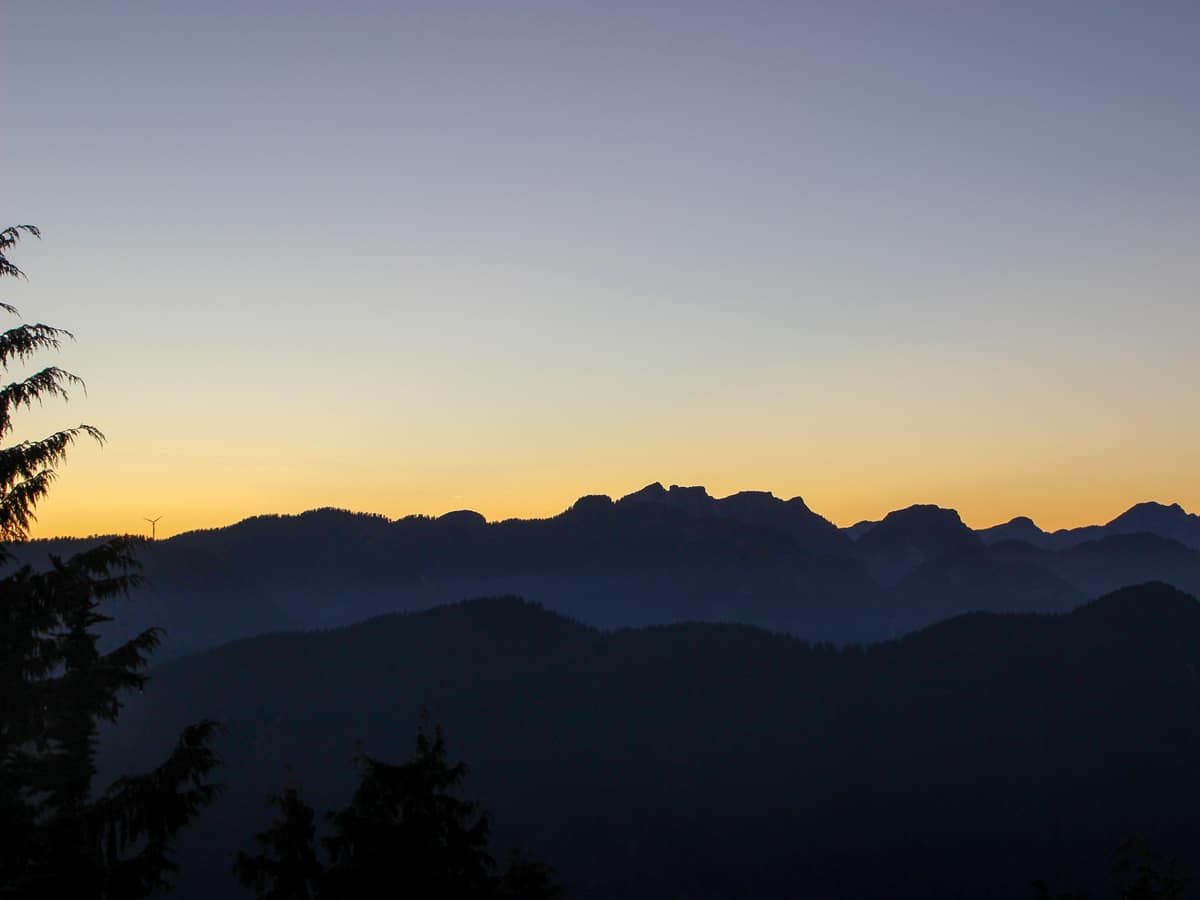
411,257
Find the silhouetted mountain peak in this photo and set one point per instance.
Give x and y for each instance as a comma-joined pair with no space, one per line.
1020,528
696,492
462,518
592,503
759,501
693,500
1167,521
926,517
760,509
1150,514
908,537
651,493
765,497
924,509
1171,521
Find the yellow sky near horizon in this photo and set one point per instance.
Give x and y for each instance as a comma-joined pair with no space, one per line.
101,492
1069,424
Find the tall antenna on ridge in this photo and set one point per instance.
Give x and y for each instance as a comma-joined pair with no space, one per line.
153,526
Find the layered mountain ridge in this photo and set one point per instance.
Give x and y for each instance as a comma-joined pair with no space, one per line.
656,556
1168,521
623,757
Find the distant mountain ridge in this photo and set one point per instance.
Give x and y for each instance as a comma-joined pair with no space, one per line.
759,508
908,538
1168,521
813,532
659,555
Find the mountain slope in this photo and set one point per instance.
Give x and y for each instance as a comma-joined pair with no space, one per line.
907,538
974,579
720,760
1099,566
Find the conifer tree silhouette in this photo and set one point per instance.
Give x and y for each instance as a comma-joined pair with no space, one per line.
286,866
404,833
57,837
406,828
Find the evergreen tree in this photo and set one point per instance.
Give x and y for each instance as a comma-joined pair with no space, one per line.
528,879
1138,873
405,833
286,867
57,837
1142,874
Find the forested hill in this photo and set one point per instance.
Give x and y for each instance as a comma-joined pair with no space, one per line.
723,761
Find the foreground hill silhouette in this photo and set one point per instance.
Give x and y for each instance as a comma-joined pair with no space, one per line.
724,761
657,556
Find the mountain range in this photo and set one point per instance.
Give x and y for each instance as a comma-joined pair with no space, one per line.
1171,522
656,556
674,695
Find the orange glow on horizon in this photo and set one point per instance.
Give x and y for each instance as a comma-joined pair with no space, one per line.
77,509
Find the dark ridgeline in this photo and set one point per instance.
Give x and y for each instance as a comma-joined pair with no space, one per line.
754,508
1171,522
699,760
657,556
611,564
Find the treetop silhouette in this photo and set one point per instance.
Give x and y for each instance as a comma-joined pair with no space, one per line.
405,832
58,838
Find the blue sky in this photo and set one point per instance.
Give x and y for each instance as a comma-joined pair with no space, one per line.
413,256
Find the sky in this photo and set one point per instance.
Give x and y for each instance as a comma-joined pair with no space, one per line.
415,257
